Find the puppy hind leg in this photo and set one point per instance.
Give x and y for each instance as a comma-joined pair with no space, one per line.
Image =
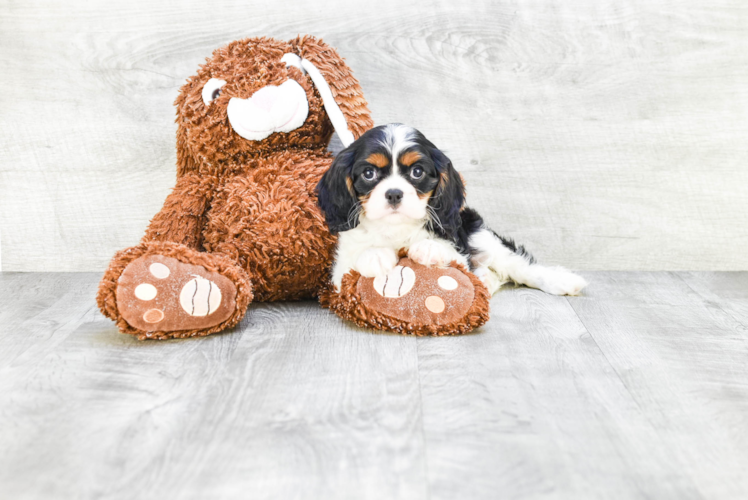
554,280
517,265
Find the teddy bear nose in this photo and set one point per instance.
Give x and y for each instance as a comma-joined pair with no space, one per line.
394,196
271,109
266,97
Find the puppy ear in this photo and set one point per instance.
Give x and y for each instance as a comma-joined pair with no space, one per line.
335,194
340,91
448,198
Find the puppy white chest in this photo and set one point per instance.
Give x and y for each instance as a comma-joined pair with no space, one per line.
388,234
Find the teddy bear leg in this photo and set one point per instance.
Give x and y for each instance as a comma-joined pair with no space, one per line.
413,299
166,290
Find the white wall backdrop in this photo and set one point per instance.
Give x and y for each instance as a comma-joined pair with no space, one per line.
604,134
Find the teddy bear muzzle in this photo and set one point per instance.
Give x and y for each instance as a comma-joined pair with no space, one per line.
271,109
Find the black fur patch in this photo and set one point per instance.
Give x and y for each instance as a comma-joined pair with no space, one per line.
511,245
346,182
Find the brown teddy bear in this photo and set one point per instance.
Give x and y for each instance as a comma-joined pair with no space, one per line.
242,222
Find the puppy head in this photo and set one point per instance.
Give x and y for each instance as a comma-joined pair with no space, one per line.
258,95
394,174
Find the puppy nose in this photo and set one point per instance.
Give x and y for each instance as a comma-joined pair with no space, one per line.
394,196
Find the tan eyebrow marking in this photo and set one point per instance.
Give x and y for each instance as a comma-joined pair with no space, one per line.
378,160
410,158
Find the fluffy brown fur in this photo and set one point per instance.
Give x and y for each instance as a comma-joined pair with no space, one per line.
247,209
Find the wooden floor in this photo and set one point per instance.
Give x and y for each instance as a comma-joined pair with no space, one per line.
638,389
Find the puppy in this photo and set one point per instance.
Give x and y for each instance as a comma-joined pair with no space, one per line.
392,189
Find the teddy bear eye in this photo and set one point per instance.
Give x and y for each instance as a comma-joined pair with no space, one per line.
212,90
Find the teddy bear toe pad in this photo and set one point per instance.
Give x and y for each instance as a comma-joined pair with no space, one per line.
158,293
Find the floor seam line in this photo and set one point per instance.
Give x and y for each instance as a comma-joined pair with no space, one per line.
633,398
719,306
612,367
423,423
607,360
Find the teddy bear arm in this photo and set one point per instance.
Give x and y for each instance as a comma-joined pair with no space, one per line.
183,216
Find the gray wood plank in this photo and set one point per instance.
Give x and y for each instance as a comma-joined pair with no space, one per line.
634,390
683,360
531,408
726,291
39,311
604,134
291,404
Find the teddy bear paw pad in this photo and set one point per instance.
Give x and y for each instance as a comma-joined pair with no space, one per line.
157,293
419,294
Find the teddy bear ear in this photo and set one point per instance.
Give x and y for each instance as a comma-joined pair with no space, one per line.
340,91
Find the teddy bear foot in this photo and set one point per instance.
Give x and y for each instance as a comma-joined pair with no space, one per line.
413,299
159,293
164,290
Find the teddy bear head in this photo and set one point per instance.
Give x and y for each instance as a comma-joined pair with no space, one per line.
259,95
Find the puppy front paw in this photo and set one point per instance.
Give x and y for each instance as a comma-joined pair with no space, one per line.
375,262
433,253
489,278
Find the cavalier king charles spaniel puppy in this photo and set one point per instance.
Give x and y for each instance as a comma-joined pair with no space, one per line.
392,189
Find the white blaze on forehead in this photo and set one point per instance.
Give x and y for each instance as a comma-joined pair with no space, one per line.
397,138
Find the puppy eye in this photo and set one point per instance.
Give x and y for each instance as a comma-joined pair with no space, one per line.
212,90
416,172
369,174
